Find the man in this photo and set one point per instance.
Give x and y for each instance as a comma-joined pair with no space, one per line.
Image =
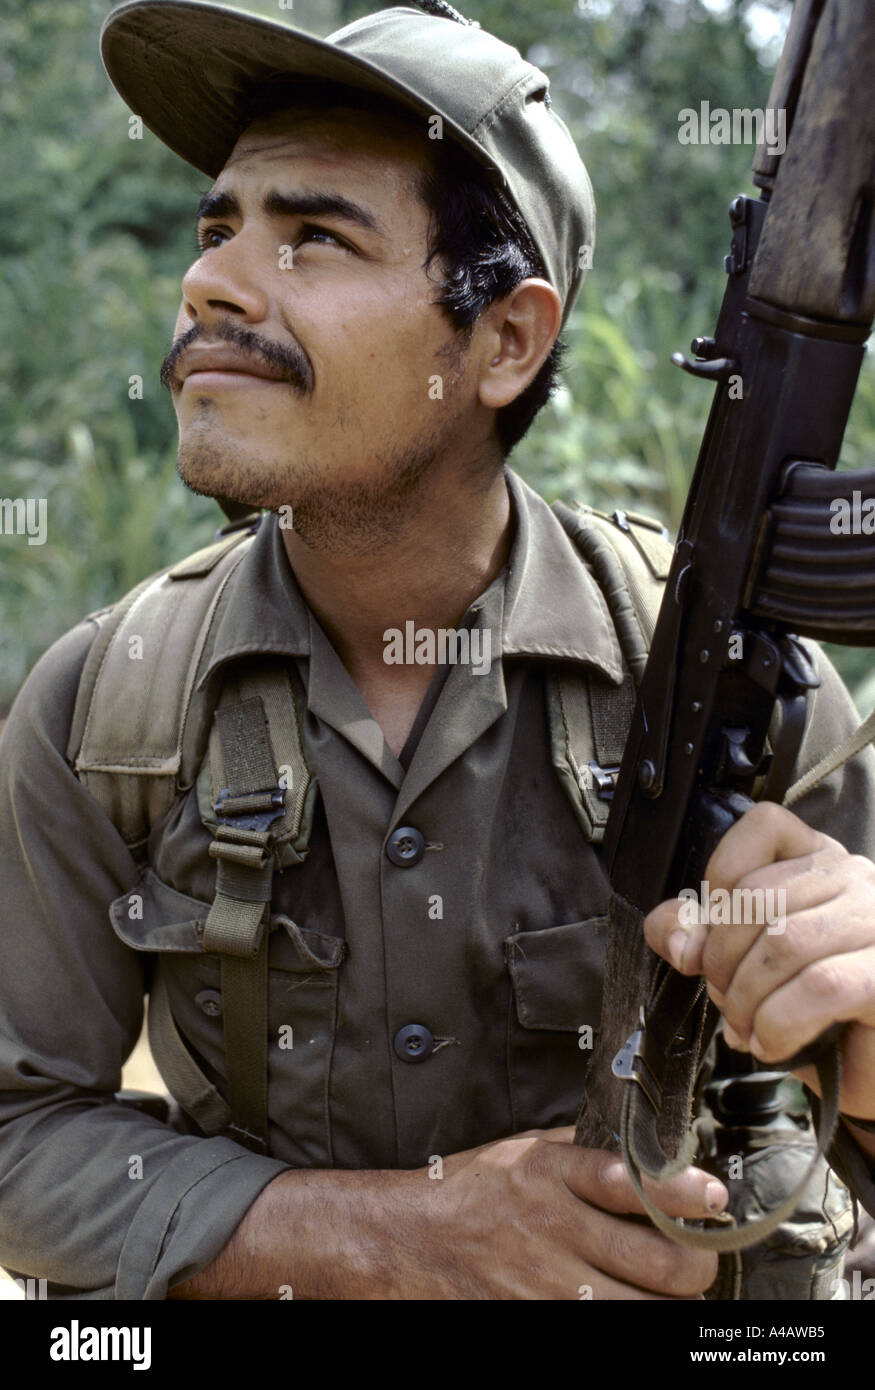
343,359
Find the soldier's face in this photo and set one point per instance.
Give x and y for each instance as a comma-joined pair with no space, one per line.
311,286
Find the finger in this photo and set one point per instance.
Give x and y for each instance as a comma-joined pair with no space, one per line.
736,925
833,989
776,957
600,1178
600,1286
674,931
828,903
564,1134
764,834
639,1255
797,884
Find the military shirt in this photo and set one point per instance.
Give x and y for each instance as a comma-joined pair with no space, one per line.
491,942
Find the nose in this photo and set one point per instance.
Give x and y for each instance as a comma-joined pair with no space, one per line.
225,280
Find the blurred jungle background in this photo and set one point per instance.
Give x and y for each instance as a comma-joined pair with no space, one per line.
96,230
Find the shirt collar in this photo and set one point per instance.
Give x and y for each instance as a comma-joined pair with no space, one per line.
552,606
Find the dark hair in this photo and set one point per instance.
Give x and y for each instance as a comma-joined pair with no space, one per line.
486,250
477,236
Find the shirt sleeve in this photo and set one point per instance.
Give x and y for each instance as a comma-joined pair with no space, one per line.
76,1207
843,804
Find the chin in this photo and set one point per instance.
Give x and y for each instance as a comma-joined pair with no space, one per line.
222,473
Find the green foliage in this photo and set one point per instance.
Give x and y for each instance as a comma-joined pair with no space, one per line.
96,231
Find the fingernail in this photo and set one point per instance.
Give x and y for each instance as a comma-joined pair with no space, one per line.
755,1044
734,1040
677,944
715,1196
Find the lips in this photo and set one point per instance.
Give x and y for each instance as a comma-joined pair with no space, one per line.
226,360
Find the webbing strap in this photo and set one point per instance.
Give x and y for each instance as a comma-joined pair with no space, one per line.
612,709
238,924
846,750
244,994
246,745
183,1077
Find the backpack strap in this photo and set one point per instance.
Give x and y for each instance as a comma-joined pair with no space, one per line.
137,739
135,695
257,761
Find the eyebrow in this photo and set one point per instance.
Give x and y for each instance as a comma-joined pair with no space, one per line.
306,203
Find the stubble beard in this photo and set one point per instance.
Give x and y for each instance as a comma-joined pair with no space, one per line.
333,515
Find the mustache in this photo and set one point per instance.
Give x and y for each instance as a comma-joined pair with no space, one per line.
292,361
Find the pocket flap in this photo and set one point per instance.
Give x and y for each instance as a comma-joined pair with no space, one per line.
557,974
155,917
310,950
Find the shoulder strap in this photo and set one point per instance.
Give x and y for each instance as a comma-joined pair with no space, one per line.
135,695
262,788
129,745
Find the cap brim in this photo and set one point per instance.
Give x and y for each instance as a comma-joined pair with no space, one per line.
185,67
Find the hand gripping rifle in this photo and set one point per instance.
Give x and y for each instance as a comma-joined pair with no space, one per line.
755,560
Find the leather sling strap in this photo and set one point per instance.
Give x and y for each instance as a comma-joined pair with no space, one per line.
643,1153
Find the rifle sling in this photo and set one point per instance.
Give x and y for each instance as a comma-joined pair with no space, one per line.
641,1154
846,750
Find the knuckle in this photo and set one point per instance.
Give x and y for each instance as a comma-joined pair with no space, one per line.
539,1158
860,866
610,1174
823,978
768,814
786,945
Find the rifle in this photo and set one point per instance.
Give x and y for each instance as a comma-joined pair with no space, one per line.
756,567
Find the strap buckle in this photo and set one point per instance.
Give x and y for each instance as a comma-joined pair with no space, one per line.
630,1064
604,780
255,811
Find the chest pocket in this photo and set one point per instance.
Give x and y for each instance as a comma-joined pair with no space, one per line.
186,1016
555,1008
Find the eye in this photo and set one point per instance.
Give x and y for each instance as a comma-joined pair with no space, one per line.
205,237
310,232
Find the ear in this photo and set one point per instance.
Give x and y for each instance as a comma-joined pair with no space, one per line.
520,331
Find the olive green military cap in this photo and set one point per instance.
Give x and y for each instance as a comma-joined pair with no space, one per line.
188,70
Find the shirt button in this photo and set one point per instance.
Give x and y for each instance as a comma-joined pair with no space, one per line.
406,846
210,1001
414,1043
